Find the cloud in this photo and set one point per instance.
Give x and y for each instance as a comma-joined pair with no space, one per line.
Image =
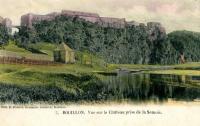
173,14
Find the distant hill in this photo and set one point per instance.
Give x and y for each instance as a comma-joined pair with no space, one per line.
186,42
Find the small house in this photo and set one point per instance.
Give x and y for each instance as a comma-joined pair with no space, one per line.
64,54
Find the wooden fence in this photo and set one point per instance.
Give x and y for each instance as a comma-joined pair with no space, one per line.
14,60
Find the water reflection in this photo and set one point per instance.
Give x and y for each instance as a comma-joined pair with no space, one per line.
146,87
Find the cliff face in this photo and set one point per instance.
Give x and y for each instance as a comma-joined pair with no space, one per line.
155,30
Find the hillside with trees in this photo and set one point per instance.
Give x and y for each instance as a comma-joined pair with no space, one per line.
130,45
187,43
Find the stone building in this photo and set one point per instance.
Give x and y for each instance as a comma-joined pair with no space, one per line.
1,19
7,23
95,18
132,23
64,54
112,22
91,17
29,19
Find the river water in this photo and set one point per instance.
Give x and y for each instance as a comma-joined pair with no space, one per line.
152,87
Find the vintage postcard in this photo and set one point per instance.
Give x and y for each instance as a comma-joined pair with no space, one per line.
99,62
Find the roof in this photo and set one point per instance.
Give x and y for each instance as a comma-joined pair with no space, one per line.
63,46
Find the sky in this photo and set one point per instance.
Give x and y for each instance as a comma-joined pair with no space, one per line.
172,14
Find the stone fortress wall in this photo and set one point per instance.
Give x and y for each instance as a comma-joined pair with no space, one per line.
6,22
1,19
29,19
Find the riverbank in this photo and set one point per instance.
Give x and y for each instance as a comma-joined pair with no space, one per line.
31,74
75,82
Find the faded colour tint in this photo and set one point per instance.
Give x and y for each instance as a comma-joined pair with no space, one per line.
173,14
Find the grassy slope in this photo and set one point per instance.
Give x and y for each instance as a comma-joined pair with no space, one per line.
31,75
24,74
12,49
70,78
44,47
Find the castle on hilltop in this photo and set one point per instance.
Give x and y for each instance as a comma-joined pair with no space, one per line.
29,19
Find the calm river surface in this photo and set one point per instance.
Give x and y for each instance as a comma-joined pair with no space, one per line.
152,87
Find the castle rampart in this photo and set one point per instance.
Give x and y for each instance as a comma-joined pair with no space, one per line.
29,19
7,23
